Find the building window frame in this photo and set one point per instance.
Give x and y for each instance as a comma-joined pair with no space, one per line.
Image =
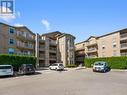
11,41
11,30
11,50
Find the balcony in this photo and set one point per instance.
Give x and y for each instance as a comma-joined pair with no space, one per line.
124,53
91,50
123,36
24,36
91,44
41,41
52,57
41,56
52,50
52,42
123,46
42,48
25,46
80,53
92,56
79,48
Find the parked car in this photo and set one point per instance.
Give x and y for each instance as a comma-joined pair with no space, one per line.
56,66
6,70
100,66
27,69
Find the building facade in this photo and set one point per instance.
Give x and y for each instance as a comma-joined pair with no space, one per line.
55,47
112,44
16,40
48,48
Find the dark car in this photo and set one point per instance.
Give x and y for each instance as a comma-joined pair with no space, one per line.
27,69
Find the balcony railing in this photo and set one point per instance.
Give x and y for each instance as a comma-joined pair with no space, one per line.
124,54
23,45
124,46
52,57
42,55
52,42
92,56
79,48
90,50
91,44
80,53
123,36
24,36
42,48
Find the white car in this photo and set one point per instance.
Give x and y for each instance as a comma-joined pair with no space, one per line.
56,66
6,70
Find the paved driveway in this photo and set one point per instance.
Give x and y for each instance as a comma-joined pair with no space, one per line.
71,82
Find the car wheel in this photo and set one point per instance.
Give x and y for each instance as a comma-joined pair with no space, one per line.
50,68
56,69
104,71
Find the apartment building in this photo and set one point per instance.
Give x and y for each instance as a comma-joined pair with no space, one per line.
108,45
16,40
66,49
54,47
49,48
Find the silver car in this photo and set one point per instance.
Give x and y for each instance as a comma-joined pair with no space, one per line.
6,70
100,66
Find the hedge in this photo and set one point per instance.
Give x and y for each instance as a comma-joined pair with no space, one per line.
16,60
113,62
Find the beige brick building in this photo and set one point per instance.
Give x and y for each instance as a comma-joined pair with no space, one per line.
49,48
55,47
16,40
108,45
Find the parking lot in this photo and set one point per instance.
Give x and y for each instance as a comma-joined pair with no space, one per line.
68,82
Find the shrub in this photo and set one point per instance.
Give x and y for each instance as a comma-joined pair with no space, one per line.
71,65
16,60
113,62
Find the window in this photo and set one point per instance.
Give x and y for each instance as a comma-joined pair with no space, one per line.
11,51
114,45
103,47
11,41
11,30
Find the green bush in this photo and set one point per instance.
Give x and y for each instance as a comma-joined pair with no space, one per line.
113,62
16,60
71,65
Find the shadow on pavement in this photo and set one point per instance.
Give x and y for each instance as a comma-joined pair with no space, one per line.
20,75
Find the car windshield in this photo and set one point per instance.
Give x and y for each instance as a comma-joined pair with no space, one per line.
5,67
54,65
99,63
29,66
60,64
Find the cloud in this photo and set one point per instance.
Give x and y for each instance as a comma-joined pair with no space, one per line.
8,17
18,24
46,24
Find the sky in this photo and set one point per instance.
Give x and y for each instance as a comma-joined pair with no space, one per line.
81,18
